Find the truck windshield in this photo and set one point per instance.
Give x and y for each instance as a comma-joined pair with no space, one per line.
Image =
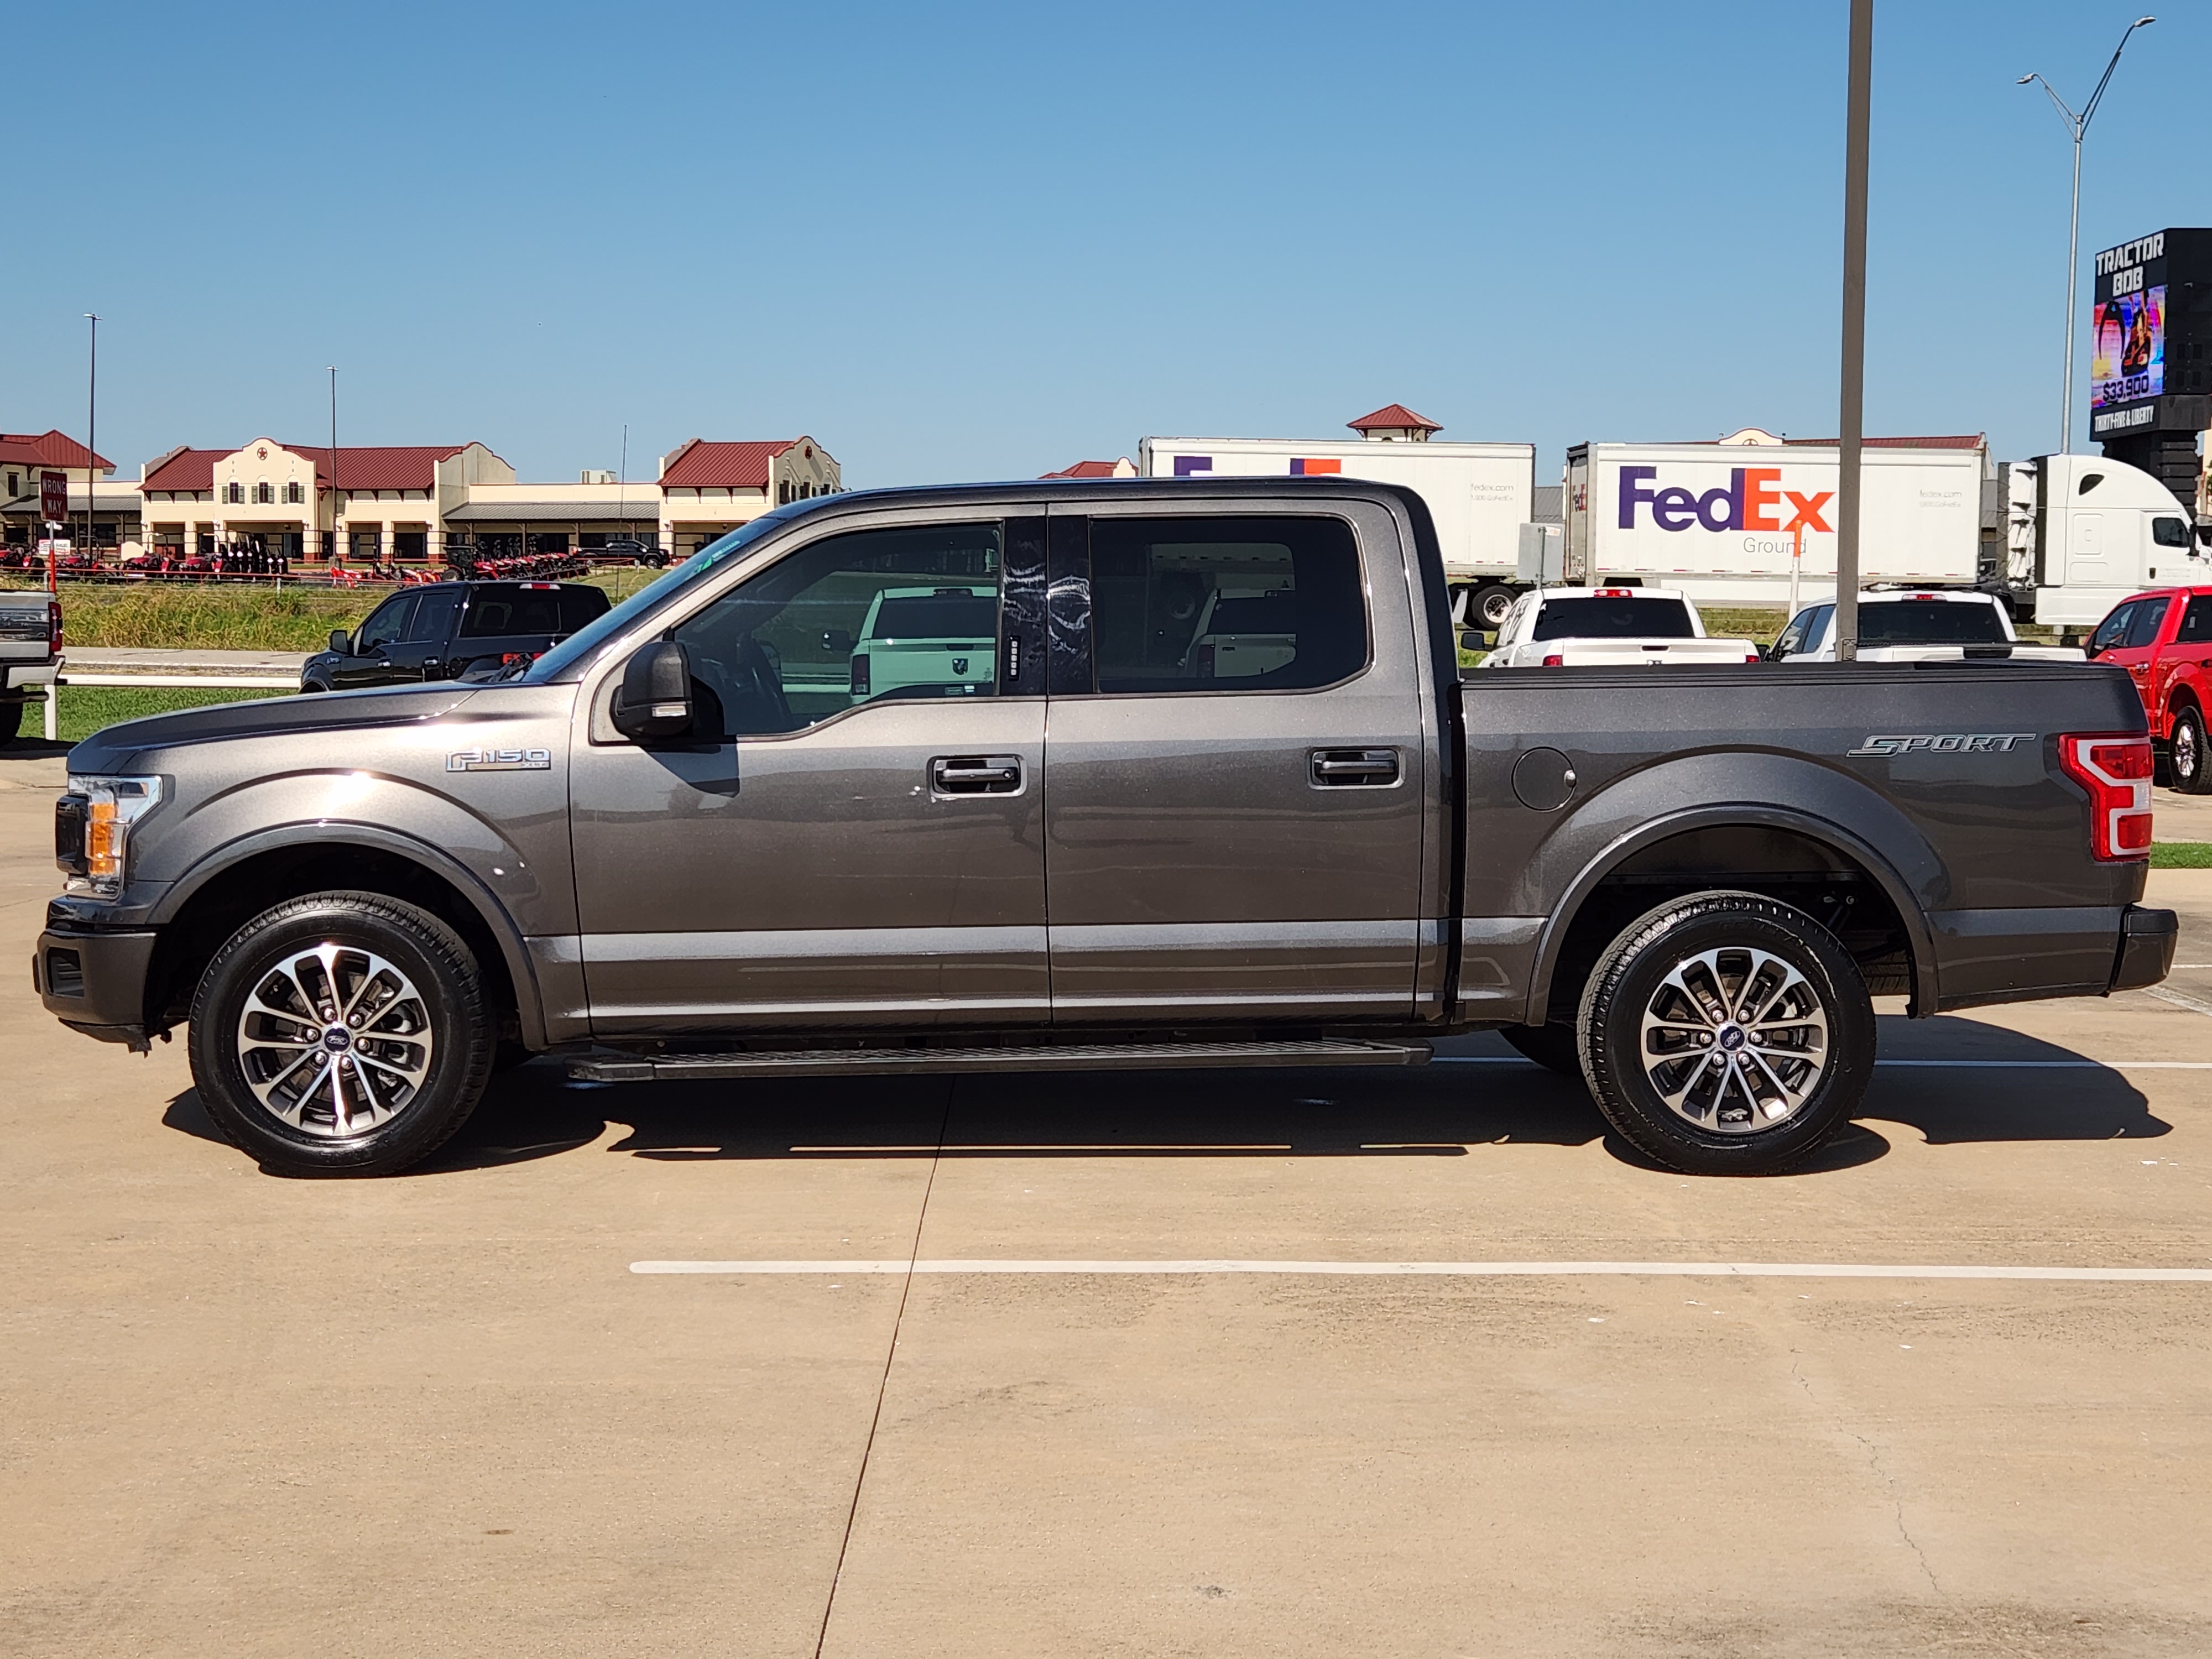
584,644
1614,619
1928,622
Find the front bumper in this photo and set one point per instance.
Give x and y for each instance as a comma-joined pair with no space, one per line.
2146,940
95,982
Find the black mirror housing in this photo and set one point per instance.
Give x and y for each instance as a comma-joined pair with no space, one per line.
341,642
654,701
837,642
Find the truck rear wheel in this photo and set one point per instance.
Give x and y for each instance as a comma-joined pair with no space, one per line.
1487,610
1727,1033
11,721
341,1034
2186,752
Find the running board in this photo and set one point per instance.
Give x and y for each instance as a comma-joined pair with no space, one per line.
1059,1057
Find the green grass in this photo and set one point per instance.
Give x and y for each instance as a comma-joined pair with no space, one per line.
298,616
85,708
2181,855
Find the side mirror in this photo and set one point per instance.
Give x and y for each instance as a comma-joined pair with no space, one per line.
837,642
654,701
341,642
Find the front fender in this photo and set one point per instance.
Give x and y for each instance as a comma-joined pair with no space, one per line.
1595,837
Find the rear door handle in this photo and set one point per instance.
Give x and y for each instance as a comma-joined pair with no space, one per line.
1335,769
976,775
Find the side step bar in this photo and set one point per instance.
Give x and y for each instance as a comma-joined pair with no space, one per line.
1059,1057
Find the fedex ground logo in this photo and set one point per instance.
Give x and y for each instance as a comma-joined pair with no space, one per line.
1752,498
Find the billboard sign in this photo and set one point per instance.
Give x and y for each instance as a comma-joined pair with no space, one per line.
53,497
2127,338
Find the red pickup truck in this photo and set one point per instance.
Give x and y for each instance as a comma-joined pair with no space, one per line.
2163,638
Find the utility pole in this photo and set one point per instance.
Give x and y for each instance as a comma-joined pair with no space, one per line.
1853,412
91,430
2079,126
622,484
336,553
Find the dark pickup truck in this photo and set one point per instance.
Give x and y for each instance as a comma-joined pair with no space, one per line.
447,629
696,840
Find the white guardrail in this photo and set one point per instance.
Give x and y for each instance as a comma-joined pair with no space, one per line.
62,675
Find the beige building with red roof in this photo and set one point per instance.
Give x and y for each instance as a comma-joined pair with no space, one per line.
25,455
385,505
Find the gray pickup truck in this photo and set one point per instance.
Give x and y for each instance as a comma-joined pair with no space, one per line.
941,779
30,638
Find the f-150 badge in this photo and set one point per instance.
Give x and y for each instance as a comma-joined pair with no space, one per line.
499,760
1944,742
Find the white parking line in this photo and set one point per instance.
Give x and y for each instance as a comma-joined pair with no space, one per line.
1968,1065
1452,1269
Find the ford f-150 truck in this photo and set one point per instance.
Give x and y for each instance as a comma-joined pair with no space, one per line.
683,844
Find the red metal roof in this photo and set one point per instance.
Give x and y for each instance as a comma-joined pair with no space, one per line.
370,467
48,448
698,464
1085,470
1392,415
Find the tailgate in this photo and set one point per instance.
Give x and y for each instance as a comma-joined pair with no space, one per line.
1620,654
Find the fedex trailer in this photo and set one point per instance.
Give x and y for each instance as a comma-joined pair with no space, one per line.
1479,494
1729,523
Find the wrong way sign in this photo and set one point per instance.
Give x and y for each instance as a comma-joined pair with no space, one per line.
53,497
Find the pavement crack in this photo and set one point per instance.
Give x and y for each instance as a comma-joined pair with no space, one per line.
1891,1484
883,1383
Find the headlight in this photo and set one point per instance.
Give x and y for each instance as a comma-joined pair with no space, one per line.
92,829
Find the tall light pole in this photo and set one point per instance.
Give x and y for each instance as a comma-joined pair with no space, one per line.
1851,413
91,432
2079,126
334,553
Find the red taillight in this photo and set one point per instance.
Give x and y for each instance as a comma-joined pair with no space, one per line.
1613,593
541,588
1205,662
53,628
1751,656
1555,660
860,682
2115,768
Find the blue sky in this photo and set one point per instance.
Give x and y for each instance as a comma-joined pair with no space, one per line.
984,241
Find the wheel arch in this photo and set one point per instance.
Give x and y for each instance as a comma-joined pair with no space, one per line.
244,877
1707,846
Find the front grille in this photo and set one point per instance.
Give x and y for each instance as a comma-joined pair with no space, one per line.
64,973
69,834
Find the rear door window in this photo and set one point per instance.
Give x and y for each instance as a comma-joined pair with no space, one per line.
434,616
1263,603
2196,622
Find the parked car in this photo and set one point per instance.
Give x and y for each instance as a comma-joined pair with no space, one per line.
448,630
1601,627
2163,639
651,851
30,639
628,549
1937,625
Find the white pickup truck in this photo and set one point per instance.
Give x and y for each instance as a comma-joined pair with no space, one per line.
1940,626
1608,628
30,641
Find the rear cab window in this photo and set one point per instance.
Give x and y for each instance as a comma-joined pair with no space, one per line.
1929,622
501,610
1613,619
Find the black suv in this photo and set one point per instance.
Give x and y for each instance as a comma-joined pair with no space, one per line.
449,629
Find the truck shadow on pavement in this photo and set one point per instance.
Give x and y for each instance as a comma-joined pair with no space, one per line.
1441,1110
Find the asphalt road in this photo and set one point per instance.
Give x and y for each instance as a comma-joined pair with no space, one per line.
442,1414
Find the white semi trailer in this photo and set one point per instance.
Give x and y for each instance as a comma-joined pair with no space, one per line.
1725,522
1479,494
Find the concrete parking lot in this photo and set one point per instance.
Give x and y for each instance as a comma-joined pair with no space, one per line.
440,1414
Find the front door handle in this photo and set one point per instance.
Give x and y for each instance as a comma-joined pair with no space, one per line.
976,775
1334,769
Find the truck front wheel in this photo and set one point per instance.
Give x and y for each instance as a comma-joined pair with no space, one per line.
11,720
1727,1033
341,1034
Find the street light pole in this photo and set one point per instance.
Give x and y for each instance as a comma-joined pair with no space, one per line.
334,552
2079,126
91,431
1851,414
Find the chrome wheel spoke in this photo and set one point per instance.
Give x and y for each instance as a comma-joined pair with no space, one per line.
335,1041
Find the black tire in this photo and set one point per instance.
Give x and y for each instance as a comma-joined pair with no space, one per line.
300,1131
2187,752
1817,977
1487,608
1554,1046
11,721
307,686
